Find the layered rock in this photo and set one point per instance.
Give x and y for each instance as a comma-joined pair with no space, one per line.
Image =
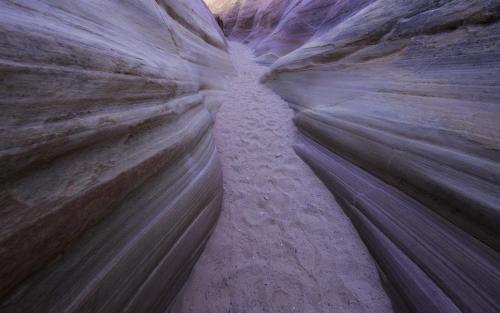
398,103
109,180
274,28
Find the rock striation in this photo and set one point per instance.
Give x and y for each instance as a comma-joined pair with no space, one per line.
274,28
110,184
398,104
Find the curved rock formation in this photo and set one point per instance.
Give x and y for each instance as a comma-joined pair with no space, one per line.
274,28
109,180
399,106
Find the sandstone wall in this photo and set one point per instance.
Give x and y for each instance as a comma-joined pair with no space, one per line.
109,180
274,28
398,104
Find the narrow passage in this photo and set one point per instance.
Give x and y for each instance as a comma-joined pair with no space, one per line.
282,244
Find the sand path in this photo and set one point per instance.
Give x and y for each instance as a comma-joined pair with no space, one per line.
282,244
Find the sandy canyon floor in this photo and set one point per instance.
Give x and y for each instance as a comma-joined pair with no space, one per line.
282,244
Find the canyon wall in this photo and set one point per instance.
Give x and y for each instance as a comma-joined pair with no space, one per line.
275,27
110,184
398,106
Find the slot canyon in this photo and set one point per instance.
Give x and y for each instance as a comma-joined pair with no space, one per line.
244,156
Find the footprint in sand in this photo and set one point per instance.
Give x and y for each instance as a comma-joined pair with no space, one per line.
281,244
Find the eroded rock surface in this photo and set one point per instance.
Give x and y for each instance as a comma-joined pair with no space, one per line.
109,180
399,106
274,28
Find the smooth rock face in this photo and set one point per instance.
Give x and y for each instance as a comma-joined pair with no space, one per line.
399,106
109,180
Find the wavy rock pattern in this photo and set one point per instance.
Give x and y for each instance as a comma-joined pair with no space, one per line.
274,28
399,105
109,180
